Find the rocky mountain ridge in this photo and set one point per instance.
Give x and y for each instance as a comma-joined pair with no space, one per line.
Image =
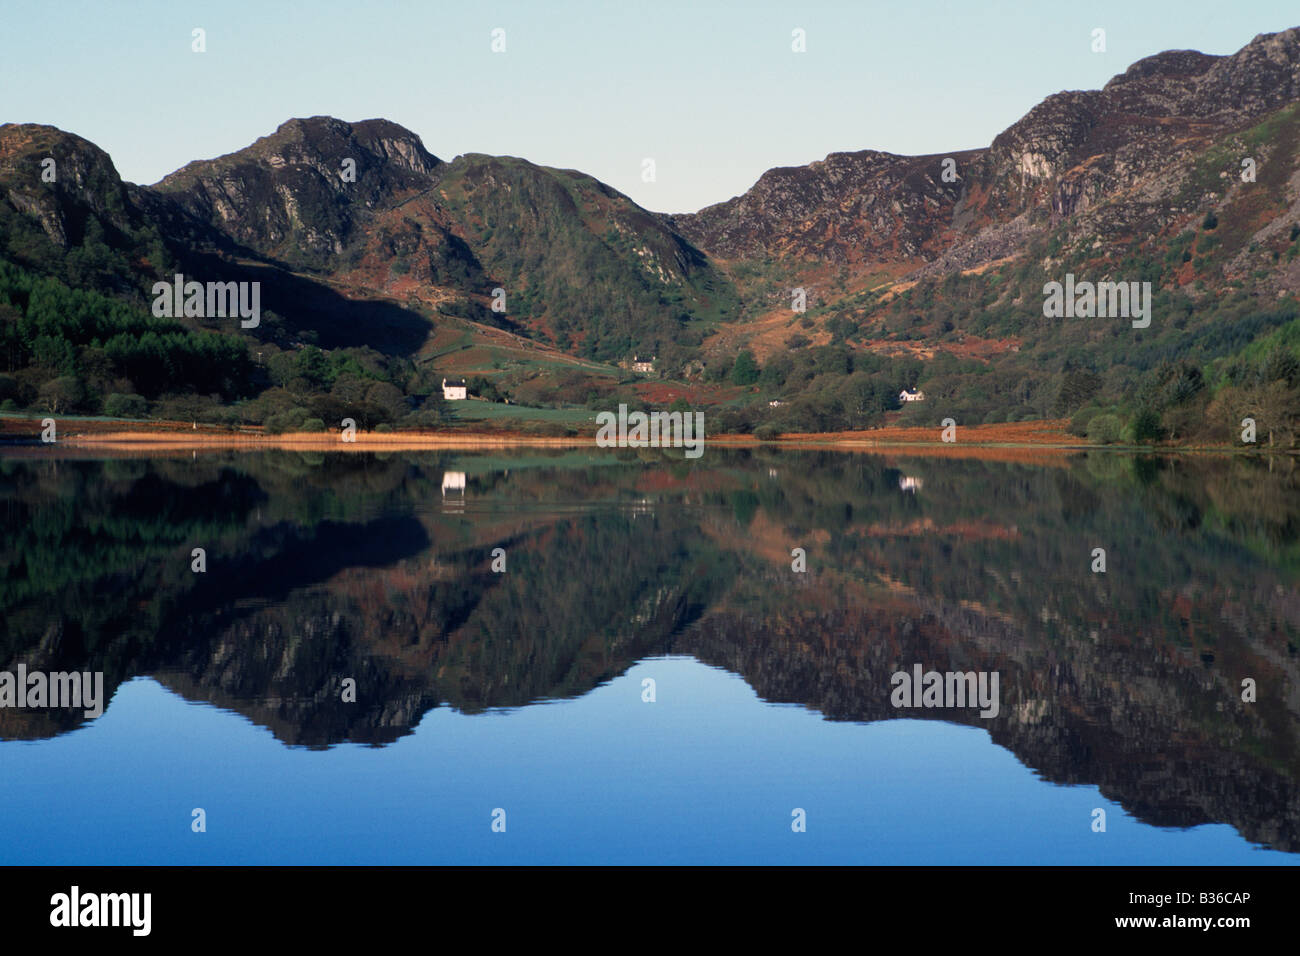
1070,152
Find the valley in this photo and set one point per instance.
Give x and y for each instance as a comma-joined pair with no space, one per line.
805,305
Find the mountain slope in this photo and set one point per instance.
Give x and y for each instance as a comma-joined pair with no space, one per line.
1182,172
578,261
301,194
1066,154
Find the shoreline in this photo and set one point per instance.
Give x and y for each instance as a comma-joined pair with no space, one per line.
1039,438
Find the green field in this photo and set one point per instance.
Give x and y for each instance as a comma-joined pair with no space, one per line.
472,411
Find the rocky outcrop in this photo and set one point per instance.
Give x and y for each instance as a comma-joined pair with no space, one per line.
301,193
63,182
847,208
1070,154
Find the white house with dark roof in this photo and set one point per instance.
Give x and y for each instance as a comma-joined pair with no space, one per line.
454,391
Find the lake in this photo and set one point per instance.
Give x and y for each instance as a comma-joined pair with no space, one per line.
626,656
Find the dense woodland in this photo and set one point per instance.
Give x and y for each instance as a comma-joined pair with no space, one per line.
72,351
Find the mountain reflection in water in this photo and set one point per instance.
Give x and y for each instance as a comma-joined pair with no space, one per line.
378,569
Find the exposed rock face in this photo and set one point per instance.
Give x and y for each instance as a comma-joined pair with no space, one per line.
294,194
1069,154
1257,78
850,207
85,182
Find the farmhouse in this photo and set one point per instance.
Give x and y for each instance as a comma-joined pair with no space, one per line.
643,365
454,391
916,396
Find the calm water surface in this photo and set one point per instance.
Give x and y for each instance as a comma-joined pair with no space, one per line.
634,575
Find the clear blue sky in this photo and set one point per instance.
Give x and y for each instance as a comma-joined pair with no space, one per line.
710,90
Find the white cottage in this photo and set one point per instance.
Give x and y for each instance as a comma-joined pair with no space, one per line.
454,391
916,396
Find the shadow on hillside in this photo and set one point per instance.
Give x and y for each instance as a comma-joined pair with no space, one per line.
312,311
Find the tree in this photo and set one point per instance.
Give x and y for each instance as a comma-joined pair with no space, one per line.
1078,386
351,389
389,398
61,394
481,387
311,364
1146,426
1280,365
125,406
745,371
1104,429
1275,407
866,400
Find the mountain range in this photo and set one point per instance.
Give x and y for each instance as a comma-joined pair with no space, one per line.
384,264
